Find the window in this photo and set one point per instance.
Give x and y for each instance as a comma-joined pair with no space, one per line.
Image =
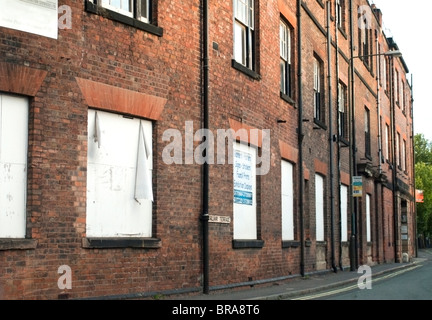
340,14
318,89
404,155
344,212
397,85
13,165
398,155
285,58
245,195
403,97
139,9
368,218
287,190
135,13
343,114
119,176
319,207
367,133
387,142
244,39
365,40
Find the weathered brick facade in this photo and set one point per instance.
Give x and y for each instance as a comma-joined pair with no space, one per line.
154,71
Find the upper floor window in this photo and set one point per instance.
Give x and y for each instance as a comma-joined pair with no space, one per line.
342,107
136,13
340,14
397,85
244,37
285,58
138,9
318,89
367,133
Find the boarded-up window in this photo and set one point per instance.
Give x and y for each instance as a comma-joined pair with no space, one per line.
287,188
119,183
319,207
368,218
13,165
245,204
344,212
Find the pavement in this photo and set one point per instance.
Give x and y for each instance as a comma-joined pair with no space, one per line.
297,286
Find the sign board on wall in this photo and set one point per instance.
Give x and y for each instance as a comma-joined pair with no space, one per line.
357,186
243,183
34,16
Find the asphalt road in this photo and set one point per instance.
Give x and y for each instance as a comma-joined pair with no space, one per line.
413,283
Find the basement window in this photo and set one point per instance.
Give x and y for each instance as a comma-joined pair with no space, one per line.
137,13
119,177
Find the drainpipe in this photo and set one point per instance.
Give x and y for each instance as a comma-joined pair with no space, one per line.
353,149
413,169
394,173
332,197
205,182
377,183
338,136
300,138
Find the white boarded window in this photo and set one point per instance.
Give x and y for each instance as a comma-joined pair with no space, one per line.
319,207
13,165
244,178
368,218
119,176
344,212
287,189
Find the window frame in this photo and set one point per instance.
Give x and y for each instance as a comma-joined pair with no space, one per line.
318,91
367,131
285,53
134,18
287,200
245,22
343,112
19,232
137,203
319,208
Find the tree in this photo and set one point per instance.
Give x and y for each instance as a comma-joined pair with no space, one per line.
423,176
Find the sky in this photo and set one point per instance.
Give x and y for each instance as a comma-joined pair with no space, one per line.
407,22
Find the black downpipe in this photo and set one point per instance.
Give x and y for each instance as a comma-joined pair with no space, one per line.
338,142
394,177
331,151
300,138
353,149
205,182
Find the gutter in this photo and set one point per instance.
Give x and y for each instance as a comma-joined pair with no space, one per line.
205,182
300,137
330,108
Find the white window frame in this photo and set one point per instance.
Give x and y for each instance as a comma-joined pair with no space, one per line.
319,207
119,171
244,32
342,94
244,212
387,145
317,89
398,162
403,155
287,193
368,218
134,6
285,57
13,165
344,212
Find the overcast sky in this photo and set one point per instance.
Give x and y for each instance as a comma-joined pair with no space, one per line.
407,22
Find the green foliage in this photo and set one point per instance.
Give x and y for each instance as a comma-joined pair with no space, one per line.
423,176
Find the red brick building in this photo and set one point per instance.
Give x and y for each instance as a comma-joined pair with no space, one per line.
105,190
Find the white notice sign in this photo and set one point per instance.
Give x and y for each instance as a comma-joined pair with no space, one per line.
34,16
243,183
